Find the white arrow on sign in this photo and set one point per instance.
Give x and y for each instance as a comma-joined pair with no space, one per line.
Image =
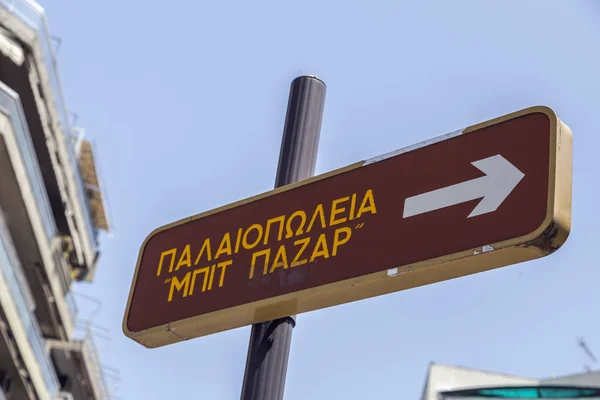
501,177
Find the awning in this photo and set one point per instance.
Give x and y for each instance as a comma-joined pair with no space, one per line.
94,186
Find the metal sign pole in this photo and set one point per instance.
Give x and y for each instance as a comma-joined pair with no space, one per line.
269,348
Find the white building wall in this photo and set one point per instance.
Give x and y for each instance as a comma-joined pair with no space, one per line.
585,379
445,377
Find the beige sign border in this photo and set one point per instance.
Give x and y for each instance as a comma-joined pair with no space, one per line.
543,241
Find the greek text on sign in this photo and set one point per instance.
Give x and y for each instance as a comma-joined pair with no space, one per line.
490,195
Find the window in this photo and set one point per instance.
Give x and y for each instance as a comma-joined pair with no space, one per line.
525,392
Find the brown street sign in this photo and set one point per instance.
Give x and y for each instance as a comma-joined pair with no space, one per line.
490,195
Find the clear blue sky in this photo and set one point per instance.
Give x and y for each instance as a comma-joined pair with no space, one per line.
186,100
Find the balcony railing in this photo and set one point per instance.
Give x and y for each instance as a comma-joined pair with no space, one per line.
10,104
71,304
90,353
63,271
33,15
9,265
9,101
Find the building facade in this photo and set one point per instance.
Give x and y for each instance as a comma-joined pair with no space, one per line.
447,382
51,214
